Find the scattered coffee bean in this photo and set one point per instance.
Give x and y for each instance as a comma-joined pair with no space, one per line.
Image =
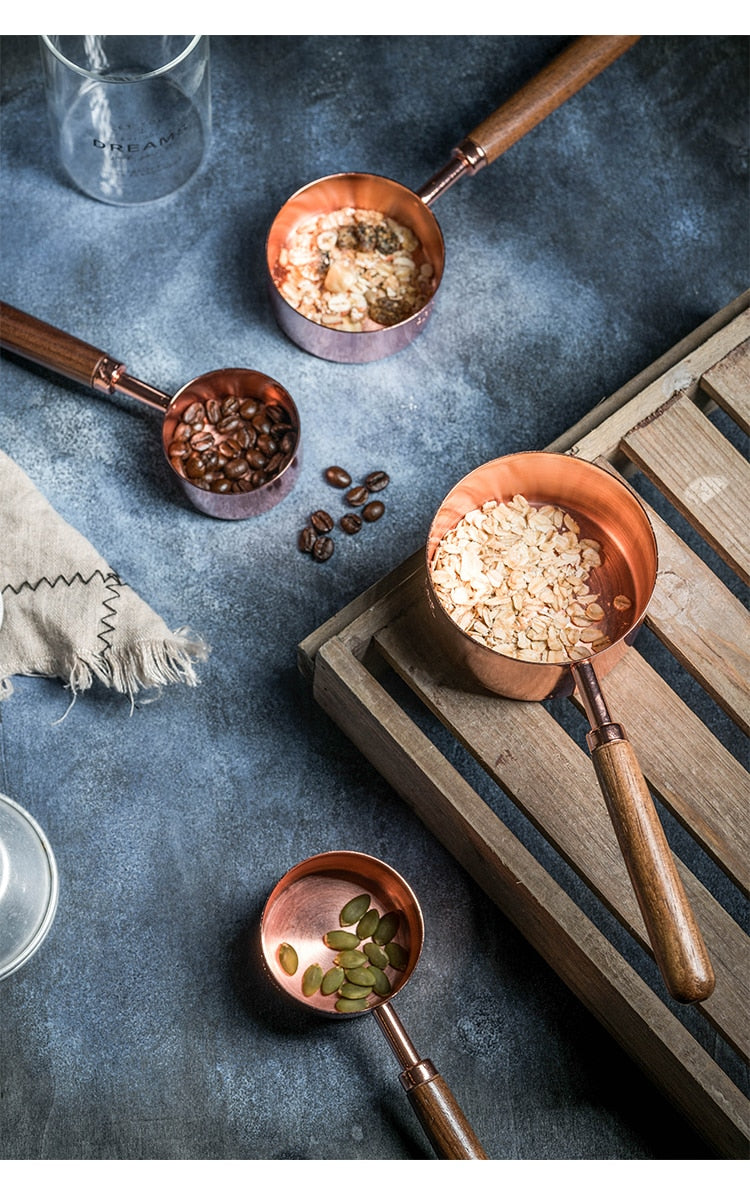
357,496
321,521
322,549
372,511
338,477
306,539
377,480
351,523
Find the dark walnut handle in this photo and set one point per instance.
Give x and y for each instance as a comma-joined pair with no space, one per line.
47,346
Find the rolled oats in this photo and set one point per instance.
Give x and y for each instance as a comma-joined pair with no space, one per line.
515,577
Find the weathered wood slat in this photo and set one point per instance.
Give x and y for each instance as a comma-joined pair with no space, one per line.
522,889
704,626
728,384
701,473
684,376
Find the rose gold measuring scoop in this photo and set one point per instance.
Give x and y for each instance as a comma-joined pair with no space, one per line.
304,905
580,62
65,354
606,510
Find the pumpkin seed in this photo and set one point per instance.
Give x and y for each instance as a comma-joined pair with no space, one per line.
382,985
354,991
363,976
347,1005
332,981
351,959
311,979
354,909
288,958
386,928
398,958
341,940
376,955
368,923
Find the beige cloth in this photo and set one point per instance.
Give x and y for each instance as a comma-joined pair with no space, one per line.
66,614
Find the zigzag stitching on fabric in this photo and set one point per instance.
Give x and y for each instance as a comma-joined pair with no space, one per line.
111,581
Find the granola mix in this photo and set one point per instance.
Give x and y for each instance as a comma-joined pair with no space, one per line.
354,270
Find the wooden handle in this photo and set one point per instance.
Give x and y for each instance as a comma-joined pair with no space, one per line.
442,1120
673,932
563,77
48,346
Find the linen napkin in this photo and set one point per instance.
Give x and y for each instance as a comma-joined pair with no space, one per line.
67,614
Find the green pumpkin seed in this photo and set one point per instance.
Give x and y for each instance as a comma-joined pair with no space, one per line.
341,940
311,979
376,955
398,957
332,981
382,985
347,1005
354,991
354,909
363,976
386,928
368,923
288,958
351,959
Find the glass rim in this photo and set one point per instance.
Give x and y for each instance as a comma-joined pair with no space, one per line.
99,78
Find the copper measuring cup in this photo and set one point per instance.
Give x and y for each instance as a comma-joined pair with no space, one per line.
580,62
73,358
607,511
300,909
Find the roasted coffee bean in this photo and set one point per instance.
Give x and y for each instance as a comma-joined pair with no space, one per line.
357,496
213,411
321,521
373,511
323,548
236,468
377,480
306,539
338,477
217,443
351,523
194,467
266,444
193,413
201,441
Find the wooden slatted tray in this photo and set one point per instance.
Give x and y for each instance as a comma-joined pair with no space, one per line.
656,429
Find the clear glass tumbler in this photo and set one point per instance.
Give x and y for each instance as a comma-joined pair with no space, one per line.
131,116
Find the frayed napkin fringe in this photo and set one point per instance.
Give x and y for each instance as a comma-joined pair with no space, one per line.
147,665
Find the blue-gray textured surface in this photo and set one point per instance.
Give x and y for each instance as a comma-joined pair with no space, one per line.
594,245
